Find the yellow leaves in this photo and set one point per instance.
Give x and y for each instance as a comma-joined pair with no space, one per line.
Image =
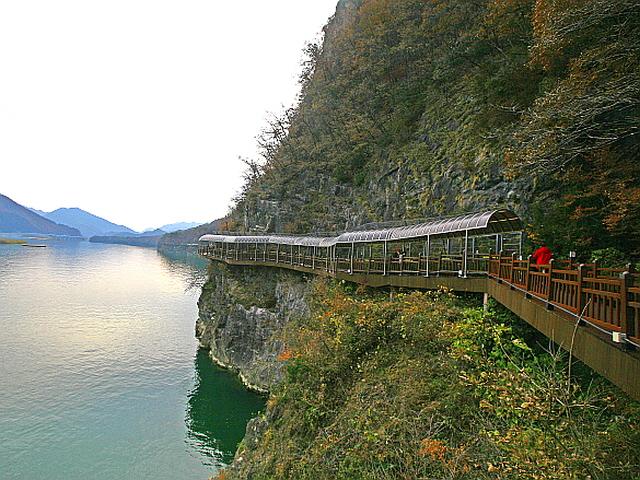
272,402
520,344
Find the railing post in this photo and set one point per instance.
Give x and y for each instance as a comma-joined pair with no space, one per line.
439,263
528,275
513,268
626,313
580,301
550,281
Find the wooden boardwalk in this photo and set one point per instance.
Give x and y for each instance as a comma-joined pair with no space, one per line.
598,304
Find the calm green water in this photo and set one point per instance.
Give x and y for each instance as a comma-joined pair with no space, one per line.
100,375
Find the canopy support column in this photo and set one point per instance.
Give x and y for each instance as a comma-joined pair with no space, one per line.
520,242
384,258
428,253
466,253
351,259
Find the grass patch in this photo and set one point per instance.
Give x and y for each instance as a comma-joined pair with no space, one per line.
10,241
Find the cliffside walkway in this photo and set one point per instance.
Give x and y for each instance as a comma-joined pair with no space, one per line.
593,311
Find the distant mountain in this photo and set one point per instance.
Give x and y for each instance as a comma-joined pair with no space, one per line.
158,232
182,238
144,239
88,223
138,240
174,227
18,219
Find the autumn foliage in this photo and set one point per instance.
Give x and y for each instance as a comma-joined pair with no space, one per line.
420,385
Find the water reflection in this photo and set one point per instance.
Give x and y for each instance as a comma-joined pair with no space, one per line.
217,411
99,367
187,265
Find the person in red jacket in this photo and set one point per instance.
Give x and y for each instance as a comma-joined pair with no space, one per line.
542,256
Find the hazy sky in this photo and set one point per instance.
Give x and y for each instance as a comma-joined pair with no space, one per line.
137,110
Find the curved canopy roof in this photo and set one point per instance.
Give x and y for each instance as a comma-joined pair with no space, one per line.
275,239
482,223
234,238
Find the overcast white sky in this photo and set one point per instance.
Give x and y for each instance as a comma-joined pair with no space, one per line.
137,110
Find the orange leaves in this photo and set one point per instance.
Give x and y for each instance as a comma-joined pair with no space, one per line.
228,225
222,475
435,449
285,355
547,45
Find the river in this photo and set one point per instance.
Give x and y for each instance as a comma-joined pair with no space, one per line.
100,372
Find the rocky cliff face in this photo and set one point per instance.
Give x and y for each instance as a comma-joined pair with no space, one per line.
242,312
390,125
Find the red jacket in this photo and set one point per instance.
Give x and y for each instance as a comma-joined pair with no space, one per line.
542,256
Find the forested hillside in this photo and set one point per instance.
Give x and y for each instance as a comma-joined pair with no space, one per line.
413,108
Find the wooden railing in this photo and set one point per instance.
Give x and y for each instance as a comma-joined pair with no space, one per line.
607,298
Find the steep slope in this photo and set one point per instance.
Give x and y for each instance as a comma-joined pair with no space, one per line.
88,223
421,386
411,109
18,219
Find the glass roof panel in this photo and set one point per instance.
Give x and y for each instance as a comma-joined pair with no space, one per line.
481,223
